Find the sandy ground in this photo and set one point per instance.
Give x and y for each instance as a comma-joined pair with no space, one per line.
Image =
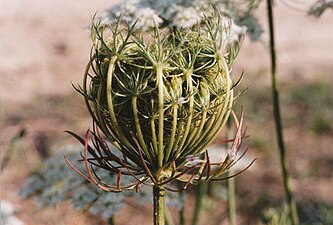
44,47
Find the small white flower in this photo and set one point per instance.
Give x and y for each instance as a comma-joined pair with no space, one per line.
147,18
182,100
186,17
192,160
236,31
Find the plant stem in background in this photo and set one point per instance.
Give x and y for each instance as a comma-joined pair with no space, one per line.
201,191
231,200
158,201
111,220
278,123
231,185
11,148
168,216
182,218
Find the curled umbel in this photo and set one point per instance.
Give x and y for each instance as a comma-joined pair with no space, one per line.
160,98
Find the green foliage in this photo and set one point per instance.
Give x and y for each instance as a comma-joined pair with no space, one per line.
308,106
309,213
313,104
55,182
274,216
257,102
312,213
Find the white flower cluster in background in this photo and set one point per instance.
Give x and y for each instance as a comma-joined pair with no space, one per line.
130,11
183,14
7,214
187,18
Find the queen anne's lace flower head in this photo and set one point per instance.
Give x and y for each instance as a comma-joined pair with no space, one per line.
160,99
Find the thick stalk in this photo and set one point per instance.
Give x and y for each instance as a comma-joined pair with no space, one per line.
231,185
278,124
158,202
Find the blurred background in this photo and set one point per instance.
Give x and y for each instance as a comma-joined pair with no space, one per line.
44,48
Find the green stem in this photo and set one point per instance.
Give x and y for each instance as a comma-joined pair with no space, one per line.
182,218
231,201
113,118
111,220
231,185
11,148
139,131
188,76
168,216
212,129
278,123
202,189
160,85
173,132
158,202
